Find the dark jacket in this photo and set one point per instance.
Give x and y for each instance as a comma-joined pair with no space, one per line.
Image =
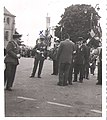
40,51
86,54
65,51
54,53
12,50
79,57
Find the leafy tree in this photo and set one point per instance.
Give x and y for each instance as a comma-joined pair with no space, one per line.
77,21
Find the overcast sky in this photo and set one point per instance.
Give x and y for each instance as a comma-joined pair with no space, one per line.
31,14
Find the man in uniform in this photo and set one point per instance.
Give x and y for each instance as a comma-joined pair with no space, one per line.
11,61
40,56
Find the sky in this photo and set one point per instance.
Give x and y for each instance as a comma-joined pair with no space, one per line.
31,14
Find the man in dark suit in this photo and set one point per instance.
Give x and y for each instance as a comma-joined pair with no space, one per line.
11,61
40,56
64,58
99,74
54,58
86,57
70,73
79,60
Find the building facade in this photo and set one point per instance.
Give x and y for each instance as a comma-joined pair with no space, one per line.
9,26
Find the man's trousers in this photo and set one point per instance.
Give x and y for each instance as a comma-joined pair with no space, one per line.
9,74
64,73
36,62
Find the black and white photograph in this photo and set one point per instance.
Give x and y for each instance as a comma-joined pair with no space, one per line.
52,53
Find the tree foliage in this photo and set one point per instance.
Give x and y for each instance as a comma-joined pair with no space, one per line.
77,21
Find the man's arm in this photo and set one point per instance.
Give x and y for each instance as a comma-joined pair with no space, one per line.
59,50
9,50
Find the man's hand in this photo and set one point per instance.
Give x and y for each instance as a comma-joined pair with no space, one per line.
19,56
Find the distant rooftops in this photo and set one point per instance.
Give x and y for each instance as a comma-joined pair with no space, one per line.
6,12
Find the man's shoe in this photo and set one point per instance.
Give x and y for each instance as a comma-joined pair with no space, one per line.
9,89
70,83
74,80
52,74
59,84
39,76
31,76
87,78
65,84
56,74
80,81
98,83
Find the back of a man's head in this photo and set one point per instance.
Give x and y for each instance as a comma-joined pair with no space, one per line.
66,36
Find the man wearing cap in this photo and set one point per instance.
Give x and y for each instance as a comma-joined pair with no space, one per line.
40,55
11,61
79,60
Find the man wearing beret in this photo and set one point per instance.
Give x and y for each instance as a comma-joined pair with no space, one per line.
11,61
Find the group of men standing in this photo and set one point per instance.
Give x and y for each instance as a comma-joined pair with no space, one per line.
67,57
72,57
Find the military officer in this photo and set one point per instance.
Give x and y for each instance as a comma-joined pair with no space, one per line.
40,56
11,61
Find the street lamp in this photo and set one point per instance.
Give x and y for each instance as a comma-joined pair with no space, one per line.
97,7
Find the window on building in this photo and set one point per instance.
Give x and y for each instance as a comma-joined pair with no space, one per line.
6,35
8,20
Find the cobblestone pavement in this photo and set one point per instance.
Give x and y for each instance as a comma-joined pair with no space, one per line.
35,97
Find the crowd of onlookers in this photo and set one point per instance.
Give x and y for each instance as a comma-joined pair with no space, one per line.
26,52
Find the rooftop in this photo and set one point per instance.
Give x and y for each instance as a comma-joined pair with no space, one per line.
6,12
